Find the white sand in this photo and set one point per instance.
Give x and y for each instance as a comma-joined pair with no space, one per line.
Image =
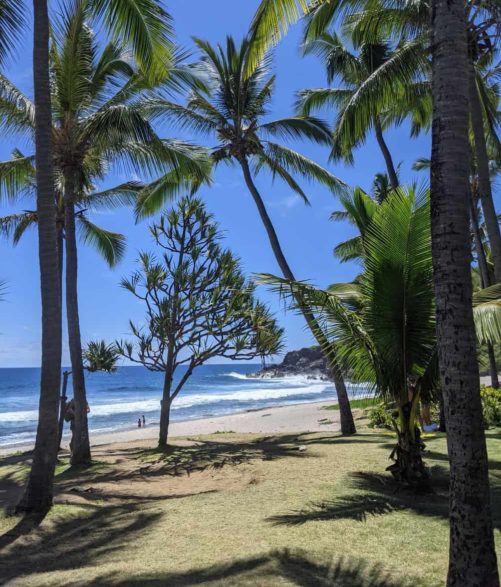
295,418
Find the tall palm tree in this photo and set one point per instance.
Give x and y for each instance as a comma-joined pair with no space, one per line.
232,108
143,24
472,559
97,101
362,102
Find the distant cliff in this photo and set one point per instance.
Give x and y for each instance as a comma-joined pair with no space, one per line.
309,362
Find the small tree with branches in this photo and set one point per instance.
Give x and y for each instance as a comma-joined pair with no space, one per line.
198,304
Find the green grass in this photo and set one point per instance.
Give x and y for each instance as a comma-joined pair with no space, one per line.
366,402
244,511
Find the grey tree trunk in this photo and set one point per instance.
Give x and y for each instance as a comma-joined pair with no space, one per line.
165,411
39,489
80,454
345,414
386,154
484,182
472,558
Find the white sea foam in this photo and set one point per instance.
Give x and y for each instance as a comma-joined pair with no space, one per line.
25,416
187,401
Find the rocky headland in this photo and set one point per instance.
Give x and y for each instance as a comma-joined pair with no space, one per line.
308,362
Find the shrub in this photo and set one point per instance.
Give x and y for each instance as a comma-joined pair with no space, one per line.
380,417
491,406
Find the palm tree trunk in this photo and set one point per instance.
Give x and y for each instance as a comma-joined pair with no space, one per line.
484,182
80,454
38,493
346,416
472,557
485,280
386,153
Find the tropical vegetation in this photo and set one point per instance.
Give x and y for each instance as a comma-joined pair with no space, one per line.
423,311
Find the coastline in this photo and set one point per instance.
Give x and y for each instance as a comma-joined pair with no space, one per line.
295,418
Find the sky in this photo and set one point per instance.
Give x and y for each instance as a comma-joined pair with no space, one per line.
306,233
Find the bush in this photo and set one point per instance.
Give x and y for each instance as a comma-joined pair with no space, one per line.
491,406
380,417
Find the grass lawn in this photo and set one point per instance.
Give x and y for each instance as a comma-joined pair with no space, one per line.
362,403
237,510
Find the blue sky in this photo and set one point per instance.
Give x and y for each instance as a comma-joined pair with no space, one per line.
307,235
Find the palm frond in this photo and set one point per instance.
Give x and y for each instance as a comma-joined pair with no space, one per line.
12,24
316,98
110,245
17,176
349,250
15,225
17,112
160,192
271,21
119,196
487,314
294,162
143,25
300,127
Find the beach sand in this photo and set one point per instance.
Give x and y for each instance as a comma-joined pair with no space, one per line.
307,417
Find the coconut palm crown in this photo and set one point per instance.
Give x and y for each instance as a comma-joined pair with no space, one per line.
233,108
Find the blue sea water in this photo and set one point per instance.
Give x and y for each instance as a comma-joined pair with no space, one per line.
117,400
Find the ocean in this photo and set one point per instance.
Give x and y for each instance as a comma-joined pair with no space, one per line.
118,399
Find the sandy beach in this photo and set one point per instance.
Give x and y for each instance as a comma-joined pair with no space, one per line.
306,417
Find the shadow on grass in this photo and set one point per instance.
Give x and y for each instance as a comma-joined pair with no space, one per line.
74,542
271,569
372,495
377,494
24,526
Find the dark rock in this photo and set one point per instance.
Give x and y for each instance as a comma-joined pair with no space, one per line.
309,362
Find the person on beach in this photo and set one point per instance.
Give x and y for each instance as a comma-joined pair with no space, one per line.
144,421
69,416
139,422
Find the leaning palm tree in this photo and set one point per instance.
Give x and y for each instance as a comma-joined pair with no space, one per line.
380,87
232,109
97,100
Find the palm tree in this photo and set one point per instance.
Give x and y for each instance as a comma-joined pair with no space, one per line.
407,25
232,108
472,558
97,104
383,324
145,27
362,102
